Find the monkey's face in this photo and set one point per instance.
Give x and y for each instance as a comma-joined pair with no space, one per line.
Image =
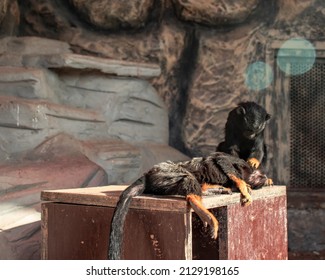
257,179
252,120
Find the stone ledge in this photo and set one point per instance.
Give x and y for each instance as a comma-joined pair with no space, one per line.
108,66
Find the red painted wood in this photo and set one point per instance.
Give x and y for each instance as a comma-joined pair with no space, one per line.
81,232
78,231
257,232
155,235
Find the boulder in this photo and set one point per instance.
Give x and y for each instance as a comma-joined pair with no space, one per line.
132,108
215,12
113,14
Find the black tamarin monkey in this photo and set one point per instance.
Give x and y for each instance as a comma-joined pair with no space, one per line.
244,133
191,179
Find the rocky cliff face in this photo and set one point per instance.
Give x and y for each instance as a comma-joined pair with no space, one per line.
203,48
69,120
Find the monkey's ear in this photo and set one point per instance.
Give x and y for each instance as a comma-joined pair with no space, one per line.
267,117
241,110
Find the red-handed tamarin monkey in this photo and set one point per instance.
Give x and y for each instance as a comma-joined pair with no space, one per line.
216,173
244,133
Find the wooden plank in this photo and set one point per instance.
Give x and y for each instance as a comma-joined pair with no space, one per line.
257,232
156,235
82,232
260,194
44,231
77,232
109,195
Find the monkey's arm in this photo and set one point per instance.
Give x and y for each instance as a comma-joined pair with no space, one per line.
227,167
256,155
208,189
228,148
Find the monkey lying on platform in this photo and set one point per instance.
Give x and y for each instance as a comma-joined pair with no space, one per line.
244,133
190,179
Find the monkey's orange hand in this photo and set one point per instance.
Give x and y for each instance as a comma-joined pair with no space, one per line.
244,189
269,182
253,162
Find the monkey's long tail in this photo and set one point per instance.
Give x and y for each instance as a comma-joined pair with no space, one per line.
121,210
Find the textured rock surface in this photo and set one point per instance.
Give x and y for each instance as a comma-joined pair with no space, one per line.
3,9
221,65
82,62
30,83
9,17
113,14
215,12
70,120
203,49
13,50
132,109
290,9
38,103
21,183
30,45
27,123
180,50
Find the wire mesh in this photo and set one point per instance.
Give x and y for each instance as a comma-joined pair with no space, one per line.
307,135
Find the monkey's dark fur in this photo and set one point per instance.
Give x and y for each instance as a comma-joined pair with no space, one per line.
244,133
191,179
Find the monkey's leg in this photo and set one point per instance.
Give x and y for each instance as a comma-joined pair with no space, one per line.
253,162
205,215
244,189
208,189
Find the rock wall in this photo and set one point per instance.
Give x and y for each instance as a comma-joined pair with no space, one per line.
69,120
203,50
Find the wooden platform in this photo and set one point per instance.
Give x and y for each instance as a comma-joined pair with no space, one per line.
76,223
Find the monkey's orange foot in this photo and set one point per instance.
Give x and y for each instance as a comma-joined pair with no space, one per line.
204,214
214,233
253,162
244,201
244,189
269,182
